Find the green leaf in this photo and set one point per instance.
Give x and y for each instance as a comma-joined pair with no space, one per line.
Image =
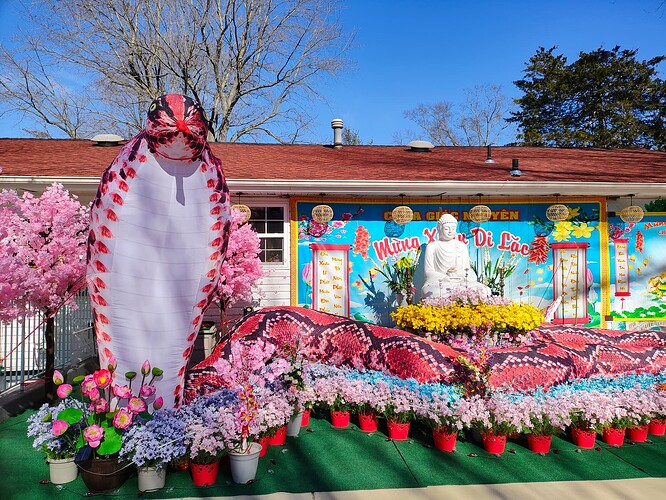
78,379
157,372
71,415
130,375
111,443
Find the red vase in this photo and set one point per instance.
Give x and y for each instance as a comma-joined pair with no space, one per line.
657,427
493,443
368,422
613,436
638,434
398,431
263,441
539,444
340,419
305,421
204,474
279,438
445,440
583,438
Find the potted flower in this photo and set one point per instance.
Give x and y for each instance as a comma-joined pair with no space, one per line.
439,411
614,416
658,417
109,409
399,411
333,393
543,417
586,416
204,436
495,417
641,406
151,446
56,439
369,402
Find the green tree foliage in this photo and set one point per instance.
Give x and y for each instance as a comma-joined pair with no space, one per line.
605,99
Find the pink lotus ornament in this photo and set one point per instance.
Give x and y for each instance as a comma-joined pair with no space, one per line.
122,391
93,434
147,390
102,378
100,405
122,419
59,427
64,390
136,405
145,368
57,377
159,403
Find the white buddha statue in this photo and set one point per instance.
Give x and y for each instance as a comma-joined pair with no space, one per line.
447,265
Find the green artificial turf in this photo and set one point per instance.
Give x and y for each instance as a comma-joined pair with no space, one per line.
322,458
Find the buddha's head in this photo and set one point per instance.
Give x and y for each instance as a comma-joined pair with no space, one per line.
447,227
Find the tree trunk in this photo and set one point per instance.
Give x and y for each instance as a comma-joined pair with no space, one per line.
49,337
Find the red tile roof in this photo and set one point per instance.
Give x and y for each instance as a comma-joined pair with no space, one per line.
82,158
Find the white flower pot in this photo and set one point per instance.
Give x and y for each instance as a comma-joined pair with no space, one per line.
151,478
294,426
62,470
244,464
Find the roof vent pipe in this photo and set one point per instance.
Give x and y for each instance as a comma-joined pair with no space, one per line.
515,168
336,125
489,156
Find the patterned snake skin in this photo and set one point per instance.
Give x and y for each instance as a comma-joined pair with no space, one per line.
561,353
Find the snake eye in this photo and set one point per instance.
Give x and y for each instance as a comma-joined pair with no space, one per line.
153,107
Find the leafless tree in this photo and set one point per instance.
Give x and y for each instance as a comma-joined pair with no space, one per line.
252,64
477,122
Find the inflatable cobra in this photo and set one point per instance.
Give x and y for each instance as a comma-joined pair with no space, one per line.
561,353
159,230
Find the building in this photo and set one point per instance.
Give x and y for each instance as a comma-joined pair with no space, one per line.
604,271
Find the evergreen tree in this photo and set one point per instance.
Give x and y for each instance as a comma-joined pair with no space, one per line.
605,99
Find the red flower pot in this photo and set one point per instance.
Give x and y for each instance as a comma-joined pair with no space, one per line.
539,444
398,431
340,419
264,445
613,437
638,434
279,438
204,474
493,443
583,438
445,440
305,421
368,422
657,427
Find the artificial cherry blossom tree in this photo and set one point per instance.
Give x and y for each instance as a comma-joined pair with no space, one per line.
242,267
42,257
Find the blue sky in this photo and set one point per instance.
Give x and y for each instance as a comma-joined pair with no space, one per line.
408,52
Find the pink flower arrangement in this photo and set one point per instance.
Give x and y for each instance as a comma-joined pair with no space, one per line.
101,418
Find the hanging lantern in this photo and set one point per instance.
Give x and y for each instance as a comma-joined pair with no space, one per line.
557,212
480,213
632,213
402,214
244,209
322,214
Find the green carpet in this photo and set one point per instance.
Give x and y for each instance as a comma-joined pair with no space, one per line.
325,459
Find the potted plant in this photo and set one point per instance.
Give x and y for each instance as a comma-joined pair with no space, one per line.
333,394
152,445
586,416
543,417
108,410
494,416
640,405
399,411
204,436
439,411
658,418
56,439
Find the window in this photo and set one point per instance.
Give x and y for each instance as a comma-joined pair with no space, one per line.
268,222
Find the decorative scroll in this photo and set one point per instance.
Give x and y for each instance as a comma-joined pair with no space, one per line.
621,267
330,281
570,282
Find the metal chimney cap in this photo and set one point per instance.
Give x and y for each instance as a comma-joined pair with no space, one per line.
420,146
336,123
107,139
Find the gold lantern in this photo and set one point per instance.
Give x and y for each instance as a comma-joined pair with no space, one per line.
402,214
480,213
322,213
244,209
632,213
557,212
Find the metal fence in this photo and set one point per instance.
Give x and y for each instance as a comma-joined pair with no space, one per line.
23,347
